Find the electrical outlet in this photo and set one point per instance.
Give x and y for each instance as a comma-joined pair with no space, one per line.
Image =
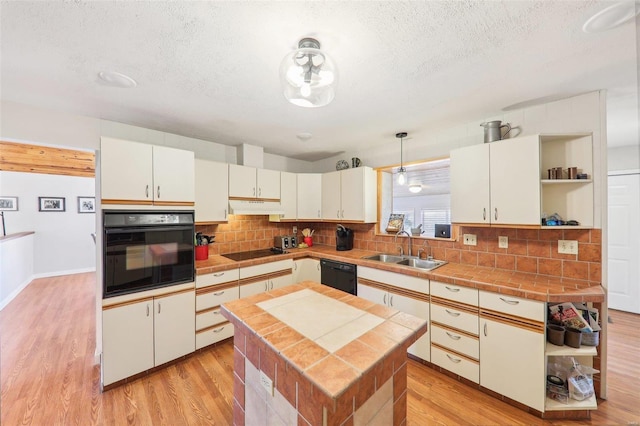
470,240
503,242
568,246
295,229
266,383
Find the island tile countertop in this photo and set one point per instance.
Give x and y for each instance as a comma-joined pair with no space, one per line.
332,339
543,288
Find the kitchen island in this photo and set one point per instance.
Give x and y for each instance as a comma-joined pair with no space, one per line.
310,354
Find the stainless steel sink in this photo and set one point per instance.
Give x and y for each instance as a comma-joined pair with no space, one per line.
427,264
388,258
411,261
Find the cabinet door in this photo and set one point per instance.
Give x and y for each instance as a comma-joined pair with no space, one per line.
418,308
127,341
212,191
372,294
268,184
331,198
126,170
306,270
280,282
242,181
512,362
470,184
253,288
515,181
288,198
174,330
352,194
173,175
309,203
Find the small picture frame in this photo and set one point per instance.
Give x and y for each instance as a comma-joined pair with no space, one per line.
8,204
86,204
51,204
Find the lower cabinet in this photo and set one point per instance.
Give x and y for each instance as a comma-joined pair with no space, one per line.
306,269
265,277
140,335
212,291
378,286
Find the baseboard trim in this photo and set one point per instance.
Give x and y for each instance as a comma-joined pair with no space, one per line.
67,272
15,292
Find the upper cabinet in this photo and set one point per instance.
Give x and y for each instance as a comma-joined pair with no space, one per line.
350,195
288,199
134,173
309,200
506,182
249,182
212,193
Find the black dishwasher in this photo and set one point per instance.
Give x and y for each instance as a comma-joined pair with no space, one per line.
339,275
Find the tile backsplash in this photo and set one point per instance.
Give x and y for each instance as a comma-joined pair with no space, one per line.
529,250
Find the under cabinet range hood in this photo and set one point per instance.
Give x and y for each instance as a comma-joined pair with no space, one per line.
254,207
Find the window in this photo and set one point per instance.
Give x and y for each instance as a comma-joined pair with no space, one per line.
430,205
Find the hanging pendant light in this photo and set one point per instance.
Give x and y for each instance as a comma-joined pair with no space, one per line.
308,75
402,172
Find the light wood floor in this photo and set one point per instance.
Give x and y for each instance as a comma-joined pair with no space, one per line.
48,376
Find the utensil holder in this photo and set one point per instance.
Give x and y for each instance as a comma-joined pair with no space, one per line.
308,241
573,337
555,334
202,252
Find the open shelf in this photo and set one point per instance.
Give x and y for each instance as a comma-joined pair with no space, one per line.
553,350
588,404
570,181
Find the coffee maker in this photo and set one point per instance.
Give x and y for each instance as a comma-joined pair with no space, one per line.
344,238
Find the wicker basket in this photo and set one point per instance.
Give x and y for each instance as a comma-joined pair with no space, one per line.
591,339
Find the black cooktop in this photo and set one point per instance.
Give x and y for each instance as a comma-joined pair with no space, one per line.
254,254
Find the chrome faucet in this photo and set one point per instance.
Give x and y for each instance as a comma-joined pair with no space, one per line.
410,241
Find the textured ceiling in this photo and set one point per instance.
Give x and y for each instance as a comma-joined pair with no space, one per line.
210,69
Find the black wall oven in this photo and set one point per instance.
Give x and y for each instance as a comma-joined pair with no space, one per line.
145,250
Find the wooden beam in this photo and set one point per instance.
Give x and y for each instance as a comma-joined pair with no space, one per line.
17,157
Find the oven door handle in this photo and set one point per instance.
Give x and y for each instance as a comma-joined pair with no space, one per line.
109,231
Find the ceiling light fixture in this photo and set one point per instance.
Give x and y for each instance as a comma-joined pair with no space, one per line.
402,172
611,17
415,188
116,79
308,75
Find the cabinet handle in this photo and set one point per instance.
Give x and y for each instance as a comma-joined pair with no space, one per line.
452,359
218,330
384,299
495,214
453,336
453,289
271,285
225,213
216,312
318,266
259,192
338,214
484,213
254,191
158,191
266,285
159,307
295,266
453,314
219,293
342,214
485,328
510,302
391,300
147,309
146,192
318,213
219,274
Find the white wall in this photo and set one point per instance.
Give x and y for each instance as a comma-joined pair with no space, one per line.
62,241
624,158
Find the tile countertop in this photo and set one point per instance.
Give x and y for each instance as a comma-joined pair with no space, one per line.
330,336
544,288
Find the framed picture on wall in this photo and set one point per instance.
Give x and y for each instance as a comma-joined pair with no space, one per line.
86,204
8,204
51,204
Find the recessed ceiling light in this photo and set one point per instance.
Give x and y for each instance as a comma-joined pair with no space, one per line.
304,136
415,188
611,17
116,79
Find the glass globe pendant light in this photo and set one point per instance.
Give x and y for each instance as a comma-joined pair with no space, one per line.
402,172
308,75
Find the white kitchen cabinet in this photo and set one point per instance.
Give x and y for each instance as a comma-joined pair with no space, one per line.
309,200
497,183
512,348
265,277
249,182
138,336
135,173
212,290
385,288
212,191
306,269
350,195
288,198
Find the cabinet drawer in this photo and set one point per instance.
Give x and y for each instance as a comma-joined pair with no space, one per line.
216,298
456,293
266,268
511,305
217,278
456,341
456,364
455,318
416,284
213,335
209,318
